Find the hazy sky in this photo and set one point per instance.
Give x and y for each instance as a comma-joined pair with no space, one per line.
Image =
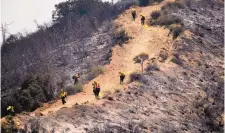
22,13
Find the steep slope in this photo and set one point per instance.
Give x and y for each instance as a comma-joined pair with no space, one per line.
145,39
59,50
186,95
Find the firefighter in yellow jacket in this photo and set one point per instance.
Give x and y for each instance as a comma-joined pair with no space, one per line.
63,96
122,77
76,77
10,109
133,13
96,89
142,19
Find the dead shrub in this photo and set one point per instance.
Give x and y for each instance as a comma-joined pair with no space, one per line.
95,71
73,89
174,5
152,67
130,127
188,3
117,90
106,93
163,55
155,14
70,89
177,61
120,37
167,20
135,76
177,31
212,115
110,98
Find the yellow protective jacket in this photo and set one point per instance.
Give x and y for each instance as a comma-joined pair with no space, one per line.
96,85
10,108
76,76
63,94
122,74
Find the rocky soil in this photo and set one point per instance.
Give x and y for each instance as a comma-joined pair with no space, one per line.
185,95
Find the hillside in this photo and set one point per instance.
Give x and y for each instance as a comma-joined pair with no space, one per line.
180,91
39,64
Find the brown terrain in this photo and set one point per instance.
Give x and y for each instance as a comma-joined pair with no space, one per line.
183,96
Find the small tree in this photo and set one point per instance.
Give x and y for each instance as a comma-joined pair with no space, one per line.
140,59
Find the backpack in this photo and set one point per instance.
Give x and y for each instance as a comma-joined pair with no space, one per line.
98,85
65,94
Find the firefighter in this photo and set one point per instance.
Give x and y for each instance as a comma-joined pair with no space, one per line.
76,77
142,19
122,77
63,96
96,89
133,13
10,109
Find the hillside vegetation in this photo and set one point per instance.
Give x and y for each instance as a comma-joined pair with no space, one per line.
174,67
69,44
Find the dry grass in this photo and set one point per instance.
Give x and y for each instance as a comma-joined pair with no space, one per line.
117,90
176,60
176,30
95,71
164,17
106,93
120,37
166,20
174,5
72,89
152,67
155,15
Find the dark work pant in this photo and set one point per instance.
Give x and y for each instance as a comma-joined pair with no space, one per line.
12,113
142,22
96,91
63,100
133,15
75,81
121,79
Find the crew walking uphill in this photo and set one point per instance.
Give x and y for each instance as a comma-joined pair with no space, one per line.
96,89
142,19
63,96
133,13
122,77
76,77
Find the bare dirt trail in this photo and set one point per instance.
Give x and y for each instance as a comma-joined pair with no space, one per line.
145,39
